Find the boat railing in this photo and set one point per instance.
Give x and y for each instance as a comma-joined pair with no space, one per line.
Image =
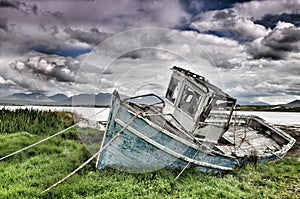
161,101
211,124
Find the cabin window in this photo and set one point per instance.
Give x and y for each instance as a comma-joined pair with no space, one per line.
173,90
189,101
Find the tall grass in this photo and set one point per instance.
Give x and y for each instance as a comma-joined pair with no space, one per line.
33,121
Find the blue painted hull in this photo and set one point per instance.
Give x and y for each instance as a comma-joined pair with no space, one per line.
131,153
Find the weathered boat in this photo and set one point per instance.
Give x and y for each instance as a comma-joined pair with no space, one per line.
193,126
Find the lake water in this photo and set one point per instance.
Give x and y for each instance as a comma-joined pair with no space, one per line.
283,118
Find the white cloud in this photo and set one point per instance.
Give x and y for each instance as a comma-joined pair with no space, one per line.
238,20
130,59
229,23
257,9
263,79
6,82
283,40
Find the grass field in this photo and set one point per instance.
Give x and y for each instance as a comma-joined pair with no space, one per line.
27,174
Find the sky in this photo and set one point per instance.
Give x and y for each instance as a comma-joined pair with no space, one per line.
251,49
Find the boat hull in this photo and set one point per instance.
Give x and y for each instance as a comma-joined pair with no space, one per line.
142,147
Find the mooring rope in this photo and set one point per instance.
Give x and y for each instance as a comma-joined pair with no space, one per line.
186,166
234,129
91,158
47,138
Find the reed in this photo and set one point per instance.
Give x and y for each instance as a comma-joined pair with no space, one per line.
33,121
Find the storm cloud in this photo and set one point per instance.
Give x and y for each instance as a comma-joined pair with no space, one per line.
92,37
21,6
253,45
3,24
278,43
228,23
270,20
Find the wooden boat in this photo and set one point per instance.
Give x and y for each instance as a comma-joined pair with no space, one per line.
193,126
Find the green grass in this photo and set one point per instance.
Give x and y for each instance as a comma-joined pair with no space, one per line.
27,174
33,121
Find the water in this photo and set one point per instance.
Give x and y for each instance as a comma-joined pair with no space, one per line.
282,118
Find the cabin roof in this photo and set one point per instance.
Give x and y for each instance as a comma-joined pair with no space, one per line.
198,79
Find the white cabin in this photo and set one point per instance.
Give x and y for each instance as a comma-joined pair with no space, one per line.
197,105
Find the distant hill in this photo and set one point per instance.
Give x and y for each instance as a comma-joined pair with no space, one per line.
295,103
101,99
58,97
23,98
245,103
31,96
293,106
104,99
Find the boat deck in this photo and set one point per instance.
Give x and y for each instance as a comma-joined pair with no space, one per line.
244,141
240,140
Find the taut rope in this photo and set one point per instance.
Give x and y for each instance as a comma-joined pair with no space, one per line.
47,138
91,158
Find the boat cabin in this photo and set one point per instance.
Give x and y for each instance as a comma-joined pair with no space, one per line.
197,105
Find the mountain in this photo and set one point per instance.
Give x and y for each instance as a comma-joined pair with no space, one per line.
18,96
79,100
295,103
23,99
31,96
58,97
244,103
101,99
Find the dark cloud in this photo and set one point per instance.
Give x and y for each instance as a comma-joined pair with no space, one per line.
224,14
20,6
132,55
3,24
55,30
270,20
228,23
34,9
196,6
92,37
9,4
61,75
77,25
286,40
225,64
192,6
57,14
277,44
43,27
